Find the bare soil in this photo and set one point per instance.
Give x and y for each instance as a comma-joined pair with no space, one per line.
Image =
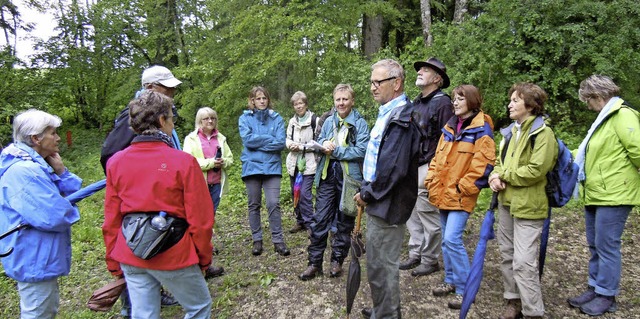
267,286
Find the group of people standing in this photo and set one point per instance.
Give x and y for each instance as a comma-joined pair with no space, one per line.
420,167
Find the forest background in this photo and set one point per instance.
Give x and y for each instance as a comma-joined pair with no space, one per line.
89,70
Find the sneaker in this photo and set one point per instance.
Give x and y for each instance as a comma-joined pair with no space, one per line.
582,299
456,302
166,299
443,289
409,263
599,305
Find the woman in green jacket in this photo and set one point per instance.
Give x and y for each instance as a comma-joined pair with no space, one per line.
520,177
609,158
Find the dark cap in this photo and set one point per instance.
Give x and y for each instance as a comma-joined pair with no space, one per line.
437,66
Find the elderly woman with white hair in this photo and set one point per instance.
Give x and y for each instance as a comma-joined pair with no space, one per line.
33,183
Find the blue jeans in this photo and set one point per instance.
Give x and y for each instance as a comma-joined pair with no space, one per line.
271,185
604,229
187,285
214,191
39,300
383,244
304,210
454,254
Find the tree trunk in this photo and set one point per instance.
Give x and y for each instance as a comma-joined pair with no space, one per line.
372,35
461,9
425,8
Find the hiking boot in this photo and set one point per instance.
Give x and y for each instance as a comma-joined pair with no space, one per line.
257,248
599,305
281,249
513,309
456,302
336,269
213,271
409,263
310,273
424,270
443,289
166,299
297,228
582,299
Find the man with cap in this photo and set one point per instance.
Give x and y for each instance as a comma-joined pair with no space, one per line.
158,79
390,186
434,109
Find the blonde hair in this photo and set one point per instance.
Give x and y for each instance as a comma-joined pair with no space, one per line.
205,112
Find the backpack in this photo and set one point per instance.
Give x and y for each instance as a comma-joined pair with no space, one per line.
561,179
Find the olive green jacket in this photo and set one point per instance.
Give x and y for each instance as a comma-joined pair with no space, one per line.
612,160
524,168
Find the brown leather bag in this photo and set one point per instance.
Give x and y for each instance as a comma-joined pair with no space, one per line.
104,298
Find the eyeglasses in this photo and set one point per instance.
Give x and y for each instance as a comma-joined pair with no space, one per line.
377,83
207,119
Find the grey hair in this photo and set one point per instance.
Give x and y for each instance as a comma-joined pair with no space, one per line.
33,122
202,113
299,95
598,86
392,66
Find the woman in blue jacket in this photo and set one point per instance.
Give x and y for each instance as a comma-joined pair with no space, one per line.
263,137
33,183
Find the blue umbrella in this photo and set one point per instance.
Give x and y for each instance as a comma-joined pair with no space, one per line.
475,272
544,238
73,198
86,191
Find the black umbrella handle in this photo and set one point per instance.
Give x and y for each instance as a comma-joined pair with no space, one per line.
494,201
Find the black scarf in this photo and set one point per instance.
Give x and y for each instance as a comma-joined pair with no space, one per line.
153,136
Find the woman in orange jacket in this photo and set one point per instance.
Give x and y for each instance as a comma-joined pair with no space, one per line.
464,158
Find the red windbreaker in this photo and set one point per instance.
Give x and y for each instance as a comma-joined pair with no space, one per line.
151,176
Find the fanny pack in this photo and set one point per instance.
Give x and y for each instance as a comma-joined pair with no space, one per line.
144,240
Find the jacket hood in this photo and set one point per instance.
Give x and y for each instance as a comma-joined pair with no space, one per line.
539,122
14,153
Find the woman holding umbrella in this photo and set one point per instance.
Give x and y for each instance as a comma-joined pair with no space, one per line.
609,158
520,177
301,162
459,170
33,183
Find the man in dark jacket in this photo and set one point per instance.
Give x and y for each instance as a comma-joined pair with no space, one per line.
433,108
390,186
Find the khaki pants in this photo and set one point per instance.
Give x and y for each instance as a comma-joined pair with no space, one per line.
425,235
519,241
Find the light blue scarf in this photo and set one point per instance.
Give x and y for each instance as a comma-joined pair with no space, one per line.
580,156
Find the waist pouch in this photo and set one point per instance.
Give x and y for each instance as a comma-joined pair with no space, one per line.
146,241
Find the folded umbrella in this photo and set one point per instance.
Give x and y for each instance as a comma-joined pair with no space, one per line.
544,239
297,185
355,273
475,271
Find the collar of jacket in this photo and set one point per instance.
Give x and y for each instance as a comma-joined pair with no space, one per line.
534,123
426,99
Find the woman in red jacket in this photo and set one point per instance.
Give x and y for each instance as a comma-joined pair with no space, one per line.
464,158
152,176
